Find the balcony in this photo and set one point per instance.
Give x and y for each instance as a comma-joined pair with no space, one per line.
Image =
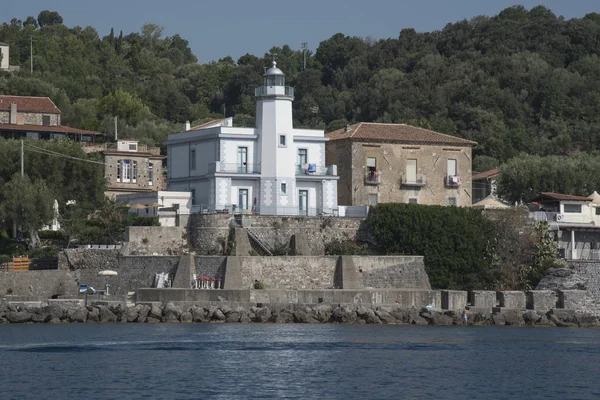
235,168
418,180
452,181
274,91
315,170
373,178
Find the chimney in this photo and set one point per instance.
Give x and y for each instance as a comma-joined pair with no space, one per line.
187,126
346,128
13,113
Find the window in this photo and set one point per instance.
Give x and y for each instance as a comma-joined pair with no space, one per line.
413,200
147,208
132,146
373,199
452,201
192,159
134,176
46,120
193,197
283,188
150,173
281,140
242,160
572,208
597,210
371,169
411,171
126,171
452,168
302,157
118,170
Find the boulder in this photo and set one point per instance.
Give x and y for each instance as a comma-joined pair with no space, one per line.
155,311
436,318
385,317
53,311
18,317
302,317
225,309
322,312
557,322
262,314
402,315
531,317
171,313
199,314
416,319
498,319
37,318
482,318
143,313
186,317
245,318
585,320
93,314
218,316
284,317
78,314
131,314
106,315
513,318
343,314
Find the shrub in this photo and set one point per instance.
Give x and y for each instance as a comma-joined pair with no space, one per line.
259,285
458,244
345,248
52,235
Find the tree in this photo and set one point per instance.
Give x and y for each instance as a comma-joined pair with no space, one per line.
49,18
28,203
122,104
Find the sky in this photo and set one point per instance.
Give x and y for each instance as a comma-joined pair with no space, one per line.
216,29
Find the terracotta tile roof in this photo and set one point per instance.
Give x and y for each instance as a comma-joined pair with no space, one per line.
492,173
214,121
41,128
396,133
29,104
559,197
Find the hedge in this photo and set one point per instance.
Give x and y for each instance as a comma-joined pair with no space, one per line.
458,244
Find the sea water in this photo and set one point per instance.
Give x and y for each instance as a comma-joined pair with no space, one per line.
277,361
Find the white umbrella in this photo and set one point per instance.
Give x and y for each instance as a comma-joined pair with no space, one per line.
107,273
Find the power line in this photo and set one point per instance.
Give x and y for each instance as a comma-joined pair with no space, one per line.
61,155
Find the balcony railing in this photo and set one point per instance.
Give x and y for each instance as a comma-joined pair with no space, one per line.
313,169
373,178
274,90
419,180
453,180
237,168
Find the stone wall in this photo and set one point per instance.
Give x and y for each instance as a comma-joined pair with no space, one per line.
211,267
208,232
42,284
318,272
133,271
155,240
576,275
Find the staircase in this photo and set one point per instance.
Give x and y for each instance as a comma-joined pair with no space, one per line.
258,245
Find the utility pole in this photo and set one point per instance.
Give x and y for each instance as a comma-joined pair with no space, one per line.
22,160
116,129
304,47
31,54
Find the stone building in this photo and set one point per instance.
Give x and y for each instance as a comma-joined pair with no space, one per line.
485,184
272,169
397,163
132,168
4,57
36,118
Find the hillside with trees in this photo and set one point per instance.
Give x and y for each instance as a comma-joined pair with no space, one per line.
523,81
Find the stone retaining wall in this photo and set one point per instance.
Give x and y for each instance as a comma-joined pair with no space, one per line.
209,232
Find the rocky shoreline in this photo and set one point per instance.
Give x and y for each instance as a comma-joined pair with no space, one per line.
321,313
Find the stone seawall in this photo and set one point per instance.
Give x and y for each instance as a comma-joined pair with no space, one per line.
209,232
291,313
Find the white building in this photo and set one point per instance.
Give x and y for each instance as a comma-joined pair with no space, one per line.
272,169
4,57
171,208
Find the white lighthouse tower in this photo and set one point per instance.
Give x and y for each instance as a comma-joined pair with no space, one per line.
276,148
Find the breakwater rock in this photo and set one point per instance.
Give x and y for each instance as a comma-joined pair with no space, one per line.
320,313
